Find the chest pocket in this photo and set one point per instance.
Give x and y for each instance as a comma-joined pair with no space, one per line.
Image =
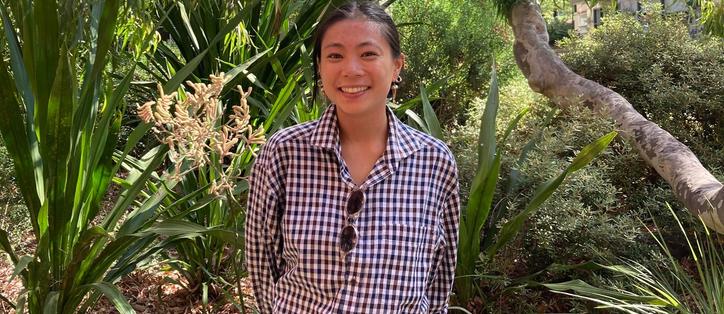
399,260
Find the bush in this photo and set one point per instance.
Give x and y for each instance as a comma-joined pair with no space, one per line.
557,30
456,39
594,216
670,78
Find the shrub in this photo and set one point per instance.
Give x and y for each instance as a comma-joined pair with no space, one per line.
690,285
455,39
593,216
557,30
670,78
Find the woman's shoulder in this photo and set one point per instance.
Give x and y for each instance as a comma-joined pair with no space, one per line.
292,134
429,143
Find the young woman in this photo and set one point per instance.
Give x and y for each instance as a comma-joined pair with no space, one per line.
355,212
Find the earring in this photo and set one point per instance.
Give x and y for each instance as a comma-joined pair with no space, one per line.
395,86
319,83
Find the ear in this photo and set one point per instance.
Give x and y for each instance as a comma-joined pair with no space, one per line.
399,64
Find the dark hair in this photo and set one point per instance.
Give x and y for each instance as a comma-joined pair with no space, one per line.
367,10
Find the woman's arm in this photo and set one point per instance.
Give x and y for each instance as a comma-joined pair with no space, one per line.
438,292
259,230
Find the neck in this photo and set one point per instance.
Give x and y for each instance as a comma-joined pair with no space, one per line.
369,128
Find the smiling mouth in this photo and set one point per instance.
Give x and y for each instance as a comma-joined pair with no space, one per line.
354,90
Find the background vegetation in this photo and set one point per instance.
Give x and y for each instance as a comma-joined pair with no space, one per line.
610,214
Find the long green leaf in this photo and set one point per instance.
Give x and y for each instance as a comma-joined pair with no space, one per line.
55,152
584,288
112,293
16,61
231,75
51,303
282,107
591,151
189,68
430,117
486,154
105,13
422,126
152,160
20,266
181,229
17,141
511,228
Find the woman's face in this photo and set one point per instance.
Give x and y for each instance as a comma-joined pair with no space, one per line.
357,66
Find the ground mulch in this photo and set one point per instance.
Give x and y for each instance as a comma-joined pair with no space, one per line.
148,291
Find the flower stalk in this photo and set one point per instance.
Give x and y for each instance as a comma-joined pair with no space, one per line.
195,133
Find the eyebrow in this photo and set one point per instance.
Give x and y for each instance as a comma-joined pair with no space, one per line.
362,44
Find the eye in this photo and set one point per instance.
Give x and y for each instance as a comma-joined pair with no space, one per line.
370,54
334,56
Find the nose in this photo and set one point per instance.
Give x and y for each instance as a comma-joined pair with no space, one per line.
353,67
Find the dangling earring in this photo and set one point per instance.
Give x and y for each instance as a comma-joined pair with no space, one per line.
395,86
320,87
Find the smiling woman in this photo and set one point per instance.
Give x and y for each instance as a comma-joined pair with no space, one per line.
357,71
355,212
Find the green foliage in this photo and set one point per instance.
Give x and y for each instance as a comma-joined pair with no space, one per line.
712,17
670,78
481,217
262,44
557,30
593,216
453,41
676,286
60,126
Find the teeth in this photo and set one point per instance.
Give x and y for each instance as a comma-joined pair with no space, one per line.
353,90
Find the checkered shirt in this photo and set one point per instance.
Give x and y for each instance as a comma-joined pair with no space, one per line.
404,261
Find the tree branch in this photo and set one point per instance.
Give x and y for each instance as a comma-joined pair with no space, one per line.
693,185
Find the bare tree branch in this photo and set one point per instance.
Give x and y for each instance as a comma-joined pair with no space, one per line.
693,185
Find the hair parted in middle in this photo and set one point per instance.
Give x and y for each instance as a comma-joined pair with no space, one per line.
363,10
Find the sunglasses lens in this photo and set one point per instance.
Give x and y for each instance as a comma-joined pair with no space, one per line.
348,239
356,200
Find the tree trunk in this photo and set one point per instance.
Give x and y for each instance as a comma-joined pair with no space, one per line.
693,185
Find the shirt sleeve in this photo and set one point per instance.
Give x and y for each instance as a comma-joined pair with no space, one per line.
439,288
261,229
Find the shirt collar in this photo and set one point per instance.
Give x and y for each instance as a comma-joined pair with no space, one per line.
401,141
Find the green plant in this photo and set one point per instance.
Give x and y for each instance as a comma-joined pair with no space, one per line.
712,16
60,124
557,30
452,41
261,44
208,155
669,288
671,78
479,230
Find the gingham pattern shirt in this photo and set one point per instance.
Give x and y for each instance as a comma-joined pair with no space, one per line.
404,261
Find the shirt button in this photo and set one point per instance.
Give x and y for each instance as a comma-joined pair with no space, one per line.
353,280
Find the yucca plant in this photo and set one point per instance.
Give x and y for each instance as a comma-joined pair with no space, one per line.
209,154
475,239
260,44
60,122
267,48
666,288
